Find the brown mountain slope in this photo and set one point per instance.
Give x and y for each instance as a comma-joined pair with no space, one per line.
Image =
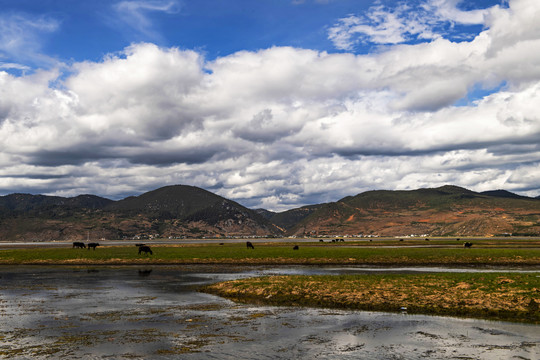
172,211
444,211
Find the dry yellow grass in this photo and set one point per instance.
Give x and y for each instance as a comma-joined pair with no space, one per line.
507,296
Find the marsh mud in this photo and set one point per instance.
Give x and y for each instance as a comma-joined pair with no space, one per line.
155,312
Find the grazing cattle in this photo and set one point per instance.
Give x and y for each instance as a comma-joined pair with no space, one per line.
427,239
457,239
249,245
342,240
321,240
467,244
400,239
78,244
221,244
295,247
92,245
145,249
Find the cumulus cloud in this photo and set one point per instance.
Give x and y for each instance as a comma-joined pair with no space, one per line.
282,127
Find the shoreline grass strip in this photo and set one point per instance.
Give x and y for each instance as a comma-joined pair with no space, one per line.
496,296
272,254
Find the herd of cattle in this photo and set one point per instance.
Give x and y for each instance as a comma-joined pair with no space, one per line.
143,248
82,245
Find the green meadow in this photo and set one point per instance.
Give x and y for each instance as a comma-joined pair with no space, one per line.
279,253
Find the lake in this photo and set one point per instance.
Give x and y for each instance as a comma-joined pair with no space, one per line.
154,312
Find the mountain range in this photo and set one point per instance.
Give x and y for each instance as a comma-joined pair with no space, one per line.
444,211
182,211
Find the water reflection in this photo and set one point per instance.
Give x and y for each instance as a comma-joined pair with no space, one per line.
154,312
145,272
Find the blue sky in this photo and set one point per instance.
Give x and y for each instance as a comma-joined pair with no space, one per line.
68,30
272,103
88,30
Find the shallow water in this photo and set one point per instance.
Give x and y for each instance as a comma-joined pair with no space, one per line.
139,313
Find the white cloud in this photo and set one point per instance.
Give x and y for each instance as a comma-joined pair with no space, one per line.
517,25
135,14
14,66
447,10
379,26
403,23
281,127
22,38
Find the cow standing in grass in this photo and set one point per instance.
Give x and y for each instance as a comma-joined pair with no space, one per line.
145,249
79,245
249,245
93,246
467,244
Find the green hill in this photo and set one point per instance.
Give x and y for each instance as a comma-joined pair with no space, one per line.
175,201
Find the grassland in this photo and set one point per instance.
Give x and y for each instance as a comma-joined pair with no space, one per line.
508,296
497,296
449,253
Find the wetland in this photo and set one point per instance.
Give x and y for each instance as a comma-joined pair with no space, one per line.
156,311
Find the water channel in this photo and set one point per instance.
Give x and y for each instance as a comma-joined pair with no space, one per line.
129,312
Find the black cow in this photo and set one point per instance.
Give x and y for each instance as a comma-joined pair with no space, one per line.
92,245
321,240
78,244
249,245
467,244
145,249
295,247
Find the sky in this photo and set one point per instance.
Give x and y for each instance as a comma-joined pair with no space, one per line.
275,104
